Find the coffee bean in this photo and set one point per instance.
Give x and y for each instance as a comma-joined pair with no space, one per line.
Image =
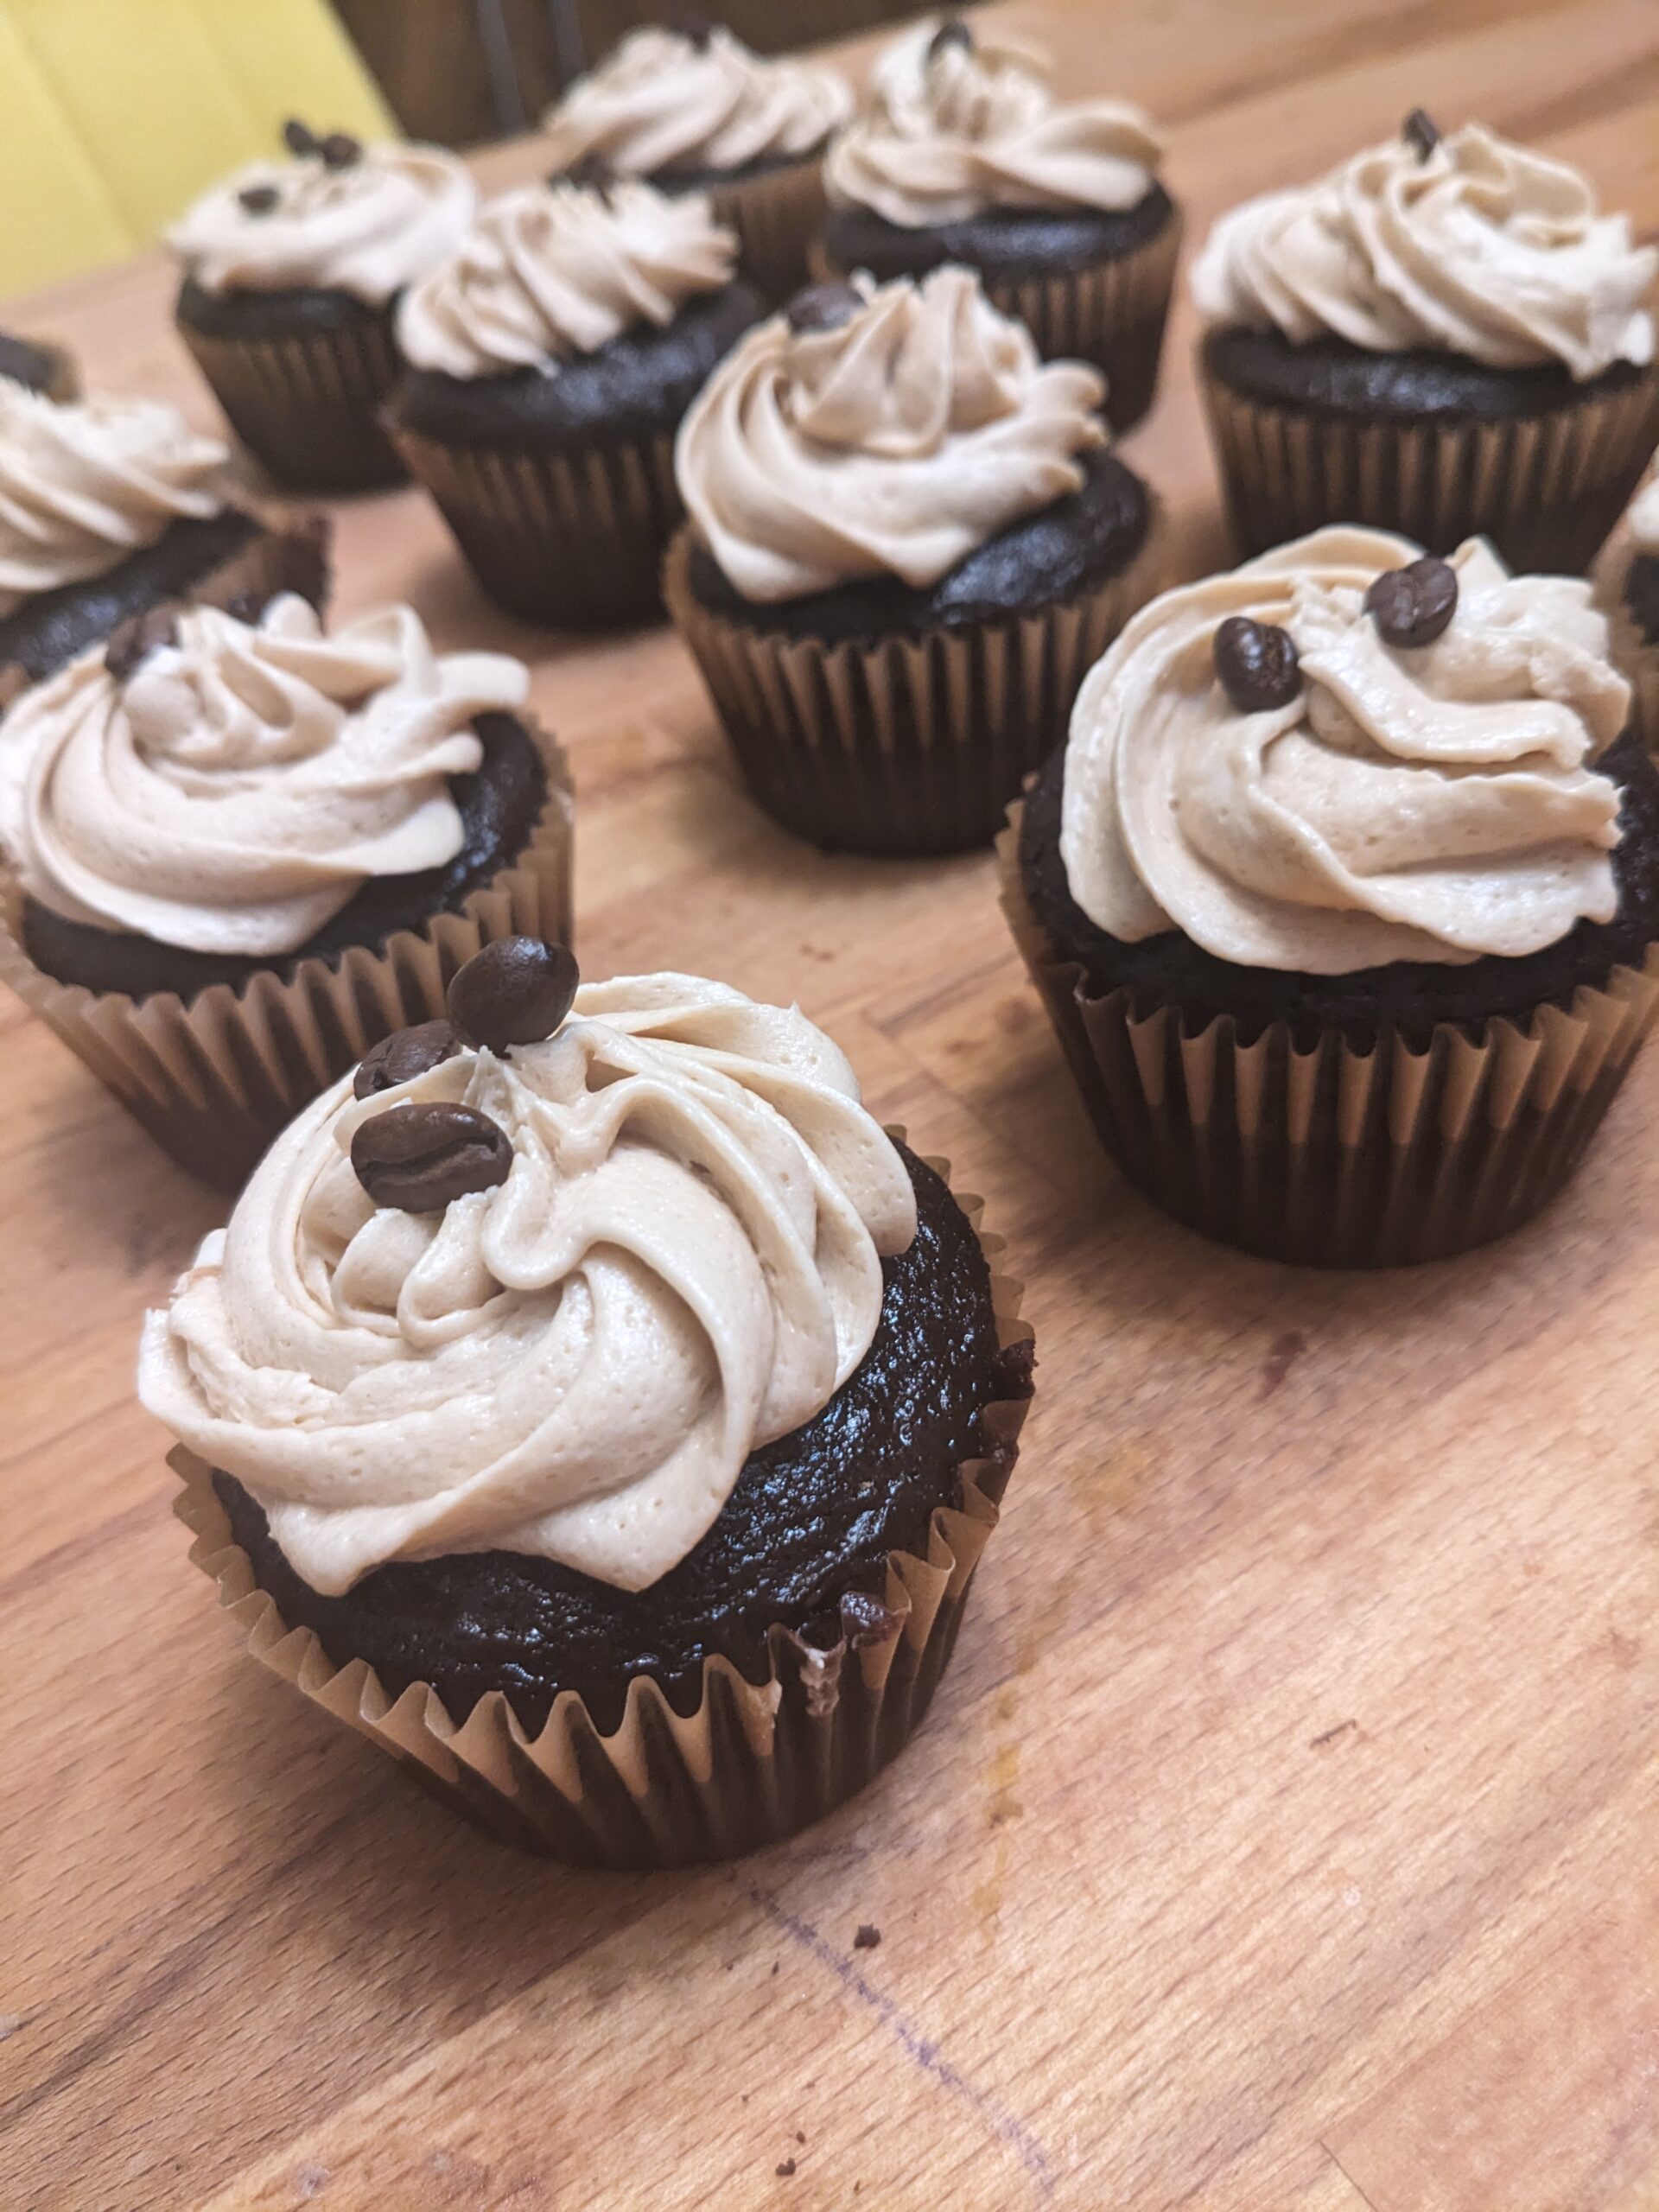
298,138
403,1055
951,32
1418,130
1412,606
823,307
258,198
515,992
420,1155
131,643
1257,664
339,151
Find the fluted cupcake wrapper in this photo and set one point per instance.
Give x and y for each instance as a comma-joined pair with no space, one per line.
308,406
902,745
573,536
1546,489
776,215
1636,657
1325,1155
750,1764
215,1076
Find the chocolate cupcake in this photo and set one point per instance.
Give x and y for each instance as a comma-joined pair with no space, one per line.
1344,897
907,544
292,273
1627,588
108,508
694,111
1442,337
601,1410
551,361
240,852
963,154
48,370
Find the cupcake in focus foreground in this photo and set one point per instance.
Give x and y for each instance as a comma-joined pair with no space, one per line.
1443,337
237,852
292,274
907,543
591,1402
962,153
1343,897
551,363
694,110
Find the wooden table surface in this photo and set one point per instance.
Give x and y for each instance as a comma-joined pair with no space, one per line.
1285,1834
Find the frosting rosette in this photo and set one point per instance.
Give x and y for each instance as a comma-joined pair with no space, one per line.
367,226
550,272
235,791
662,101
85,483
893,444
1422,802
956,124
683,1264
1477,247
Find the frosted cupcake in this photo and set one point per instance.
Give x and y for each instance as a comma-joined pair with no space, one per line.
598,1407
237,852
109,506
1343,897
1444,337
694,111
293,272
908,542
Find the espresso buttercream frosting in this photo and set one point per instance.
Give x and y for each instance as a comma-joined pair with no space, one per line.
663,101
1477,247
892,445
368,226
956,124
1410,803
552,271
238,787
85,483
683,1264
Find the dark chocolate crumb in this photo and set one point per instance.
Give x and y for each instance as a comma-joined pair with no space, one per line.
785,2170
868,1937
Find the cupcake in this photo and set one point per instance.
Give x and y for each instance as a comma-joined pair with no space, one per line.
293,272
907,544
694,111
962,153
238,853
1443,337
551,360
48,370
1343,897
593,1404
1627,578
108,508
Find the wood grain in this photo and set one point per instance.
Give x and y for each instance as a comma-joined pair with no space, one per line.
1284,1837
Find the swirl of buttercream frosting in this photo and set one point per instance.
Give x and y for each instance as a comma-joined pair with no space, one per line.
368,227
954,126
237,790
1432,803
85,483
683,1264
1479,248
661,102
894,444
550,272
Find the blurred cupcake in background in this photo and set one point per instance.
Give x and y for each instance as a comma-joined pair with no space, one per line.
292,274
551,359
1627,584
962,152
38,366
109,506
693,109
908,542
237,852
1443,337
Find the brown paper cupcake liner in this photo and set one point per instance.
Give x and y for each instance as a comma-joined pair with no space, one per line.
1637,658
1546,489
571,537
308,406
752,1764
1328,1155
776,215
903,745
214,1078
